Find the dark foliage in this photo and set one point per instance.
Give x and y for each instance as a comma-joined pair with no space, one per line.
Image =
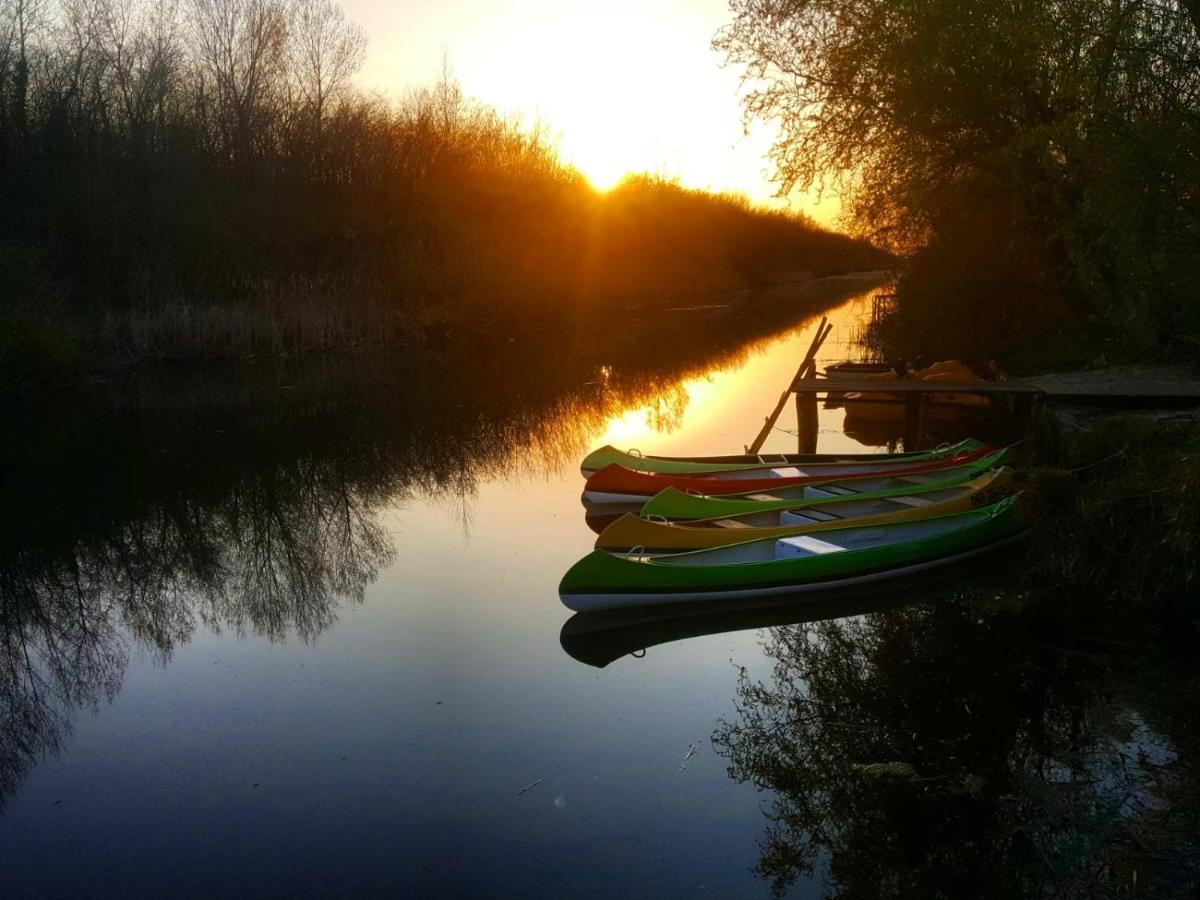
202,179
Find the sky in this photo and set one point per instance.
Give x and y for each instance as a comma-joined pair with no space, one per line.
625,85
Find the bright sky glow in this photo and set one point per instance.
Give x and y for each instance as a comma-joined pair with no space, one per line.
627,85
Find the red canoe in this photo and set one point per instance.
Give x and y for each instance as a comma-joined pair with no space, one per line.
617,484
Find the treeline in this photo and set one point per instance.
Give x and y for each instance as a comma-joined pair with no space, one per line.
1038,162
201,177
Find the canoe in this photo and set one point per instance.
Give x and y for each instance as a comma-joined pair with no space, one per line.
701,465
844,371
819,515
836,559
697,465
882,405
617,484
679,506
849,371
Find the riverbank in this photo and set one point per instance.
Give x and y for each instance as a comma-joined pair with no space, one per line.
63,351
1114,570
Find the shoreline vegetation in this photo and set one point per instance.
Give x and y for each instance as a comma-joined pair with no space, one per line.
1033,165
1037,177
203,180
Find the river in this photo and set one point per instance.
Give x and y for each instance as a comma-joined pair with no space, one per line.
283,637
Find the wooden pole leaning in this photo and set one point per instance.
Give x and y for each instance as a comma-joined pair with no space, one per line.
809,362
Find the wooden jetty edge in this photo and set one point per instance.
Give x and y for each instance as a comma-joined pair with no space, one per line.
1101,387
1130,387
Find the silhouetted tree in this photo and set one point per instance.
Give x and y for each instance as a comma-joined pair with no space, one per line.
1050,143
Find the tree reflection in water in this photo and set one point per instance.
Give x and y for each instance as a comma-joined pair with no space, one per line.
933,751
251,500
272,556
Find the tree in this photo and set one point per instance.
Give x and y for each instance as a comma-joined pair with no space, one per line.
21,21
1073,121
141,45
325,53
240,49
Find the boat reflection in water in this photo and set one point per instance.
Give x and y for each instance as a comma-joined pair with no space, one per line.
601,638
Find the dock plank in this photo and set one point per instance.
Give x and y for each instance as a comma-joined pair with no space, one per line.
862,385
1129,386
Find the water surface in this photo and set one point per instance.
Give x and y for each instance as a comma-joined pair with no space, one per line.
300,633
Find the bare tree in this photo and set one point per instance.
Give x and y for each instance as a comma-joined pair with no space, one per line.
140,44
21,21
325,52
76,67
240,48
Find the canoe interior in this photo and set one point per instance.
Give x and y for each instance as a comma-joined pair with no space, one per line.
855,369
859,486
841,509
817,470
841,540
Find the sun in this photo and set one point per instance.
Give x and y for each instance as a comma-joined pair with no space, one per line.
602,173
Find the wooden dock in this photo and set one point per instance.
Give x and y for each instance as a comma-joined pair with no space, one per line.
1118,388
899,388
1130,388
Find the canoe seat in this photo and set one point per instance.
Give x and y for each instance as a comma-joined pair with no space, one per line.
806,517
730,523
790,472
911,501
820,491
804,545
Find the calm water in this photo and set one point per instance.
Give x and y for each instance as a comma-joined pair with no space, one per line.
300,633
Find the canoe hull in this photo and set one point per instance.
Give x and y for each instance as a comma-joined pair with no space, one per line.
616,484
600,602
603,580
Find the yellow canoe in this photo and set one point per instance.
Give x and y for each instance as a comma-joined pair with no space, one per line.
660,536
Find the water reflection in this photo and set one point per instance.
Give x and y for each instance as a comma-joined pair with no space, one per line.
601,638
934,751
252,501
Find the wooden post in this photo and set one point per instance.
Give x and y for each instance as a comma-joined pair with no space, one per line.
923,402
807,422
1024,406
916,420
912,423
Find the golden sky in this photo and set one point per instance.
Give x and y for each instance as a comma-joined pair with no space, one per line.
627,85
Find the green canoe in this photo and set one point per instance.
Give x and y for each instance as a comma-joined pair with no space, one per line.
834,559
698,465
679,506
